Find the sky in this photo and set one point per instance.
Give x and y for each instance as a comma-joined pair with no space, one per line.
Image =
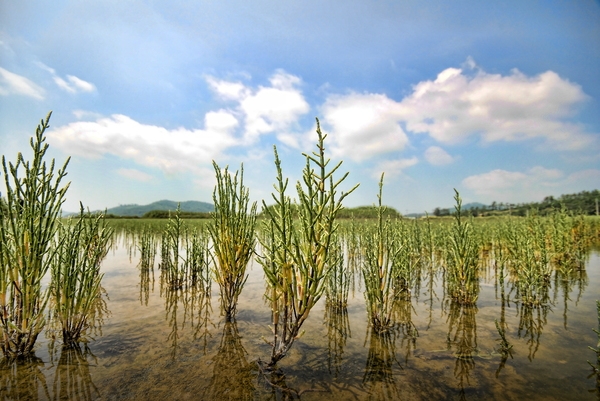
499,100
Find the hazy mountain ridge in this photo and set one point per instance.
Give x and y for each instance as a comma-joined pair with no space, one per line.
583,202
165,204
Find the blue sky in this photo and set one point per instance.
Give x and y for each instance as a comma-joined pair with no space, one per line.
500,101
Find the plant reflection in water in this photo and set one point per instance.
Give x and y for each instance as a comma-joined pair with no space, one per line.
378,377
532,319
195,299
23,379
338,331
72,378
462,336
233,376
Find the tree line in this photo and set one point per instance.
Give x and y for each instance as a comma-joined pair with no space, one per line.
584,202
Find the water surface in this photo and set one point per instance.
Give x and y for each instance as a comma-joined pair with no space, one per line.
157,345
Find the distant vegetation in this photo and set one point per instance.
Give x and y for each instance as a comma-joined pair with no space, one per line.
360,212
585,202
165,214
367,212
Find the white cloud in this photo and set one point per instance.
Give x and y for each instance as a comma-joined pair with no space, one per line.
454,107
266,109
494,181
85,114
515,107
393,168
533,184
172,151
437,156
11,83
74,84
134,174
228,90
363,125
590,175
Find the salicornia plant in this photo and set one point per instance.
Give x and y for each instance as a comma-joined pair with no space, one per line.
232,233
296,260
28,226
338,280
75,288
462,260
380,251
172,261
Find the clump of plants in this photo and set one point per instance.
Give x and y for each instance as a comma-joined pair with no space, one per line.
33,241
75,286
297,259
233,236
172,261
29,223
380,251
462,275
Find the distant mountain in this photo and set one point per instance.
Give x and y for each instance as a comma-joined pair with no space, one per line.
140,210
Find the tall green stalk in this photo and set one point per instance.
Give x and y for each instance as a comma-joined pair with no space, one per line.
296,261
232,233
28,227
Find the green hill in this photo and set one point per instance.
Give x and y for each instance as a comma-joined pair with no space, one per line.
135,210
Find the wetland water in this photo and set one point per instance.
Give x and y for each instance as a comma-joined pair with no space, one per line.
156,344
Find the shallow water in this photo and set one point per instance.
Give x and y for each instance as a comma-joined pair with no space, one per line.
157,345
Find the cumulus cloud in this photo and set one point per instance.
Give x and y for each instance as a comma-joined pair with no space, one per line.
455,106
266,109
227,90
172,151
532,184
14,84
134,174
437,156
363,125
